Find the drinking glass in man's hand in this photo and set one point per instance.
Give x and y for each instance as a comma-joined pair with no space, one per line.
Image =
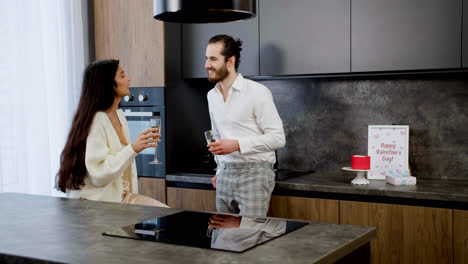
210,139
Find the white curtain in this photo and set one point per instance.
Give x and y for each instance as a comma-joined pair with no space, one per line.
42,60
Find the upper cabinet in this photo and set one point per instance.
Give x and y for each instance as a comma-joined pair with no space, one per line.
465,34
304,36
291,37
195,39
388,35
126,30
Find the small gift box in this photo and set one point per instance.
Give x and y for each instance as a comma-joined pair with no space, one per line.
397,177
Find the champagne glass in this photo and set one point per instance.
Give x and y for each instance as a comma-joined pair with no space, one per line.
209,231
210,139
155,123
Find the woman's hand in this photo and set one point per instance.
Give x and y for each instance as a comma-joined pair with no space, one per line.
143,141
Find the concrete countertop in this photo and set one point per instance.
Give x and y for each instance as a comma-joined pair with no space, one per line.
340,183
43,229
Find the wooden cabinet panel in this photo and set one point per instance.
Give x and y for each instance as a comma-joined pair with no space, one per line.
310,209
405,35
152,187
191,199
405,234
126,30
460,236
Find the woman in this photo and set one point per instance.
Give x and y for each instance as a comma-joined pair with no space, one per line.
98,163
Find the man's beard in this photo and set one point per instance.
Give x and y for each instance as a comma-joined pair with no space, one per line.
220,74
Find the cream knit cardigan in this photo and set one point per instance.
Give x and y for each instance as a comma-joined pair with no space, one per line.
106,161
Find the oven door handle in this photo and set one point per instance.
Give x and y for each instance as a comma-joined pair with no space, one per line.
130,113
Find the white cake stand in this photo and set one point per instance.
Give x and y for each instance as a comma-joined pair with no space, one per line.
360,179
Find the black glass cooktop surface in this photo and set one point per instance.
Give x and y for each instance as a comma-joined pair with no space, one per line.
232,233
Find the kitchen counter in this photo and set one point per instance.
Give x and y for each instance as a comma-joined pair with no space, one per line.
439,193
47,229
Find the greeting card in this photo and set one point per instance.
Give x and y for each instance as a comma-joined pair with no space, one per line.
388,149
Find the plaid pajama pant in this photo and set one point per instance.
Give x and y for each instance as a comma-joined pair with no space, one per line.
245,188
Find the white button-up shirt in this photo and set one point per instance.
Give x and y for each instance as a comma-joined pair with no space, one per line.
250,116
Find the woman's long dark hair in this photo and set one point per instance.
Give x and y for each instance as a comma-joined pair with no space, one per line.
97,94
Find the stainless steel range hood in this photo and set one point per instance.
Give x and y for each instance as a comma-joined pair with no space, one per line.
203,11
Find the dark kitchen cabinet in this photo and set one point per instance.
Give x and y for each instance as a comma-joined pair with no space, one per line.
304,36
195,38
465,34
405,35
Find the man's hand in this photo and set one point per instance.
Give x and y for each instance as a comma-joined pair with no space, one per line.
225,221
213,180
224,146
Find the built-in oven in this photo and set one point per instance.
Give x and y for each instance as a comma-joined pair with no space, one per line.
139,107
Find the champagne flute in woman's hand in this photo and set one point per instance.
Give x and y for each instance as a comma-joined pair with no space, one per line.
156,123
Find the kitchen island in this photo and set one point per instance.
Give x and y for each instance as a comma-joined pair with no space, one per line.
50,229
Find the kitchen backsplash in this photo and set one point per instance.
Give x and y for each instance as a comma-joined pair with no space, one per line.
326,119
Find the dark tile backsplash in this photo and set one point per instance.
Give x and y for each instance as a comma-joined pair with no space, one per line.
326,119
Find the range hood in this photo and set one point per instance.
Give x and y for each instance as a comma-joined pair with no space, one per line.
203,11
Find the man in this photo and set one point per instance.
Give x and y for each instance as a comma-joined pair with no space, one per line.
248,129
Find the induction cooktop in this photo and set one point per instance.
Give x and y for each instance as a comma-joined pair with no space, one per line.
190,228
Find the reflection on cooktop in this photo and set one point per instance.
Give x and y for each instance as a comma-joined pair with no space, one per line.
226,232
